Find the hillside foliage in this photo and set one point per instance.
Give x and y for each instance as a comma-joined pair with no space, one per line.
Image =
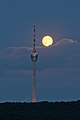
40,111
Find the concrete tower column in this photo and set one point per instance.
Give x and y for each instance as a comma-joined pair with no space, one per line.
34,58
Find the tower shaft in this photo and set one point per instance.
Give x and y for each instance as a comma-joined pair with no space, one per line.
34,83
34,58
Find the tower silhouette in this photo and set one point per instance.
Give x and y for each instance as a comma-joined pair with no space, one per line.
34,58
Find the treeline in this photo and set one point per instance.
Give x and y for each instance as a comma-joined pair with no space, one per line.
40,111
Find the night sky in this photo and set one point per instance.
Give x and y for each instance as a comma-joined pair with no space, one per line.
58,66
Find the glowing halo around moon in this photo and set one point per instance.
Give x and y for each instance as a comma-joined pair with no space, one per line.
47,41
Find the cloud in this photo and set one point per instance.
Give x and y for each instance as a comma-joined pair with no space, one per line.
11,52
65,41
19,74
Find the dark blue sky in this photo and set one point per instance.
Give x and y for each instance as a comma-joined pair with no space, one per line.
58,67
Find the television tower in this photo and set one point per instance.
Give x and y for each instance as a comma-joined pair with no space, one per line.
34,58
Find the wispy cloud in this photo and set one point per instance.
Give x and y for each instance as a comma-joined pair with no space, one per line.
17,74
13,51
65,41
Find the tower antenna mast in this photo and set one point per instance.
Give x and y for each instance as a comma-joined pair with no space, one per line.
34,58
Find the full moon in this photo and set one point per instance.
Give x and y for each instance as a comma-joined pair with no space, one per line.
47,41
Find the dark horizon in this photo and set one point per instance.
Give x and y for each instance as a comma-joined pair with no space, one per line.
40,111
